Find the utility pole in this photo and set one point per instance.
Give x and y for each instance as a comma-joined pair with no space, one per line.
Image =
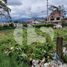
47,10
59,47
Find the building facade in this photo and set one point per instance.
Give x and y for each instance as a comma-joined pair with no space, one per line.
55,17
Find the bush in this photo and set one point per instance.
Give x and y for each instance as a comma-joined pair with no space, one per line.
64,24
65,58
43,25
49,25
5,26
11,25
1,27
24,24
39,25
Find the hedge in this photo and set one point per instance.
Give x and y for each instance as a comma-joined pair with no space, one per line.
43,25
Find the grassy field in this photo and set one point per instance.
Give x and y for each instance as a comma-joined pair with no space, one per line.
6,42
13,54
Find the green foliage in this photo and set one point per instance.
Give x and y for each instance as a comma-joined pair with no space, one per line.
49,25
64,24
7,26
24,24
65,58
11,25
43,25
13,54
1,27
59,8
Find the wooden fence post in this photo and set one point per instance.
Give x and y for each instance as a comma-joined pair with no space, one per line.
59,47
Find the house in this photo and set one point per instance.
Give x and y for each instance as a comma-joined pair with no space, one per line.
54,17
31,21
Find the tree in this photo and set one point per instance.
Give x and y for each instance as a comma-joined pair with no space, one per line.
5,8
5,1
59,8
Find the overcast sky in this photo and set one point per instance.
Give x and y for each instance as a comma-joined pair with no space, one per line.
29,8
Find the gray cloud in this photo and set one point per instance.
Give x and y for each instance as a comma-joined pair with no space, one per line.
28,8
14,2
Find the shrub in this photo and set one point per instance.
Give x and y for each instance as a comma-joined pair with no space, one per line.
11,25
43,25
5,26
64,24
24,24
49,25
65,58
1,27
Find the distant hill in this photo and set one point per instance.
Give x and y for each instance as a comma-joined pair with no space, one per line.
21,19
27,19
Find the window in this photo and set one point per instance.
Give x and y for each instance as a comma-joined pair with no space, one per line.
52,19
58,18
